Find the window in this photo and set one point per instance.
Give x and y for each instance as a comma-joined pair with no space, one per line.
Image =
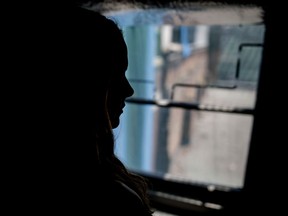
195,75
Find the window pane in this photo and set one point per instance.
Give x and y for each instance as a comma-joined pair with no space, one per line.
211,67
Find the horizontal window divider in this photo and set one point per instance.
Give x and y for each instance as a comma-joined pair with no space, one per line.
191,106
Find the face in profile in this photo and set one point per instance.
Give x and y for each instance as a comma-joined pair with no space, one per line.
120,87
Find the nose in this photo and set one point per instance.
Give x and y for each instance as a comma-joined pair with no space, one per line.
129,89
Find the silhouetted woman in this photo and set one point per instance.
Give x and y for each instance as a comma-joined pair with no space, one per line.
92,57
68,88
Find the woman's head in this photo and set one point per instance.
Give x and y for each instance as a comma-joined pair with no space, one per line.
98,51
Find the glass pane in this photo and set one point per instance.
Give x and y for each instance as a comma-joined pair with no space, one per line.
210,65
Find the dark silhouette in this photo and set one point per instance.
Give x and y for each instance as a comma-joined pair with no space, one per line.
70,88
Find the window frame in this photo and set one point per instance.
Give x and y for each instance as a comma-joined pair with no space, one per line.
254,184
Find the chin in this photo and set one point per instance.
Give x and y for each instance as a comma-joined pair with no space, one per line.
115,123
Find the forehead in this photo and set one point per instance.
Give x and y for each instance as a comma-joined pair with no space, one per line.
121,54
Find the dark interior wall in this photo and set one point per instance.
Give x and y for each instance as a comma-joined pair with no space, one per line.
264,185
